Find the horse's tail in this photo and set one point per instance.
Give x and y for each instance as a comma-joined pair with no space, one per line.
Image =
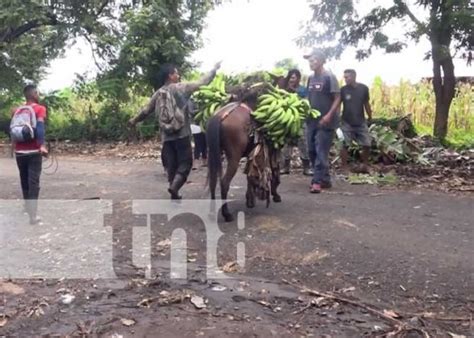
213,135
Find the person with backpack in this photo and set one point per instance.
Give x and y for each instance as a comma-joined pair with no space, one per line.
169,104
27,131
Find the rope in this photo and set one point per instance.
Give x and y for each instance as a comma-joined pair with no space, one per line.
50,164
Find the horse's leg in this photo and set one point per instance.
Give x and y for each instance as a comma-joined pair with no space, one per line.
250,195
232,166
213,198
274,185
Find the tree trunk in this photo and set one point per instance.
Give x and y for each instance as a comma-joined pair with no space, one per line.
444,87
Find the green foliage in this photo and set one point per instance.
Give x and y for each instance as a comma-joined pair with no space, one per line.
283,66
418,100
338,24
130,38
34,32
154,33
448,25
286,64
379,179
83,113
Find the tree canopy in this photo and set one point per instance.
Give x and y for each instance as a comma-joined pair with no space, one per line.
130,38
158,32
447,24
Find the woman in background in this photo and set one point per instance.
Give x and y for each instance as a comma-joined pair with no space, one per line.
292,85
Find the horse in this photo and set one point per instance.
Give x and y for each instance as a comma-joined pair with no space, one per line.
229,132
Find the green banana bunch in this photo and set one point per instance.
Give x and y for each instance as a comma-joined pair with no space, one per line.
209,99
282,114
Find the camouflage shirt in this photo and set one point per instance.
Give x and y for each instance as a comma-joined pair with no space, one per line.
182,93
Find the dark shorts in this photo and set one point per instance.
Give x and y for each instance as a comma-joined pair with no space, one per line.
357,134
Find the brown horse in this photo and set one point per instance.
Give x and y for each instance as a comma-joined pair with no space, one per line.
229,132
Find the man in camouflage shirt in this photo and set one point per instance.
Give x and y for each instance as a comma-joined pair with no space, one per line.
177,149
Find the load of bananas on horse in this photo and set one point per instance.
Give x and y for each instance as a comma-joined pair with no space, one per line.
281,115
209,99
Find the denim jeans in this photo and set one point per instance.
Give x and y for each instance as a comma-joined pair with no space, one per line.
319,144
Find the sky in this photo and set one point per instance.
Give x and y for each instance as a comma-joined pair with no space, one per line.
244,34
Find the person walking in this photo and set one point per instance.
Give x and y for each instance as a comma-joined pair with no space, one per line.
292,85
324,95
27,130
355,100
169,102
200,145
199,138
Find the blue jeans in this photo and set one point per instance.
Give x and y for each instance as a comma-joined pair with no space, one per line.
319,144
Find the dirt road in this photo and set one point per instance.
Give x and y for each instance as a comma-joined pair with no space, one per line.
366,249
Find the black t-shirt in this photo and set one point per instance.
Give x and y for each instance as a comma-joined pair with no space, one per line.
354,98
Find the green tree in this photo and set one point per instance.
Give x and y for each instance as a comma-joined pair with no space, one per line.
34,32
131,37
156,32
286,64
447,24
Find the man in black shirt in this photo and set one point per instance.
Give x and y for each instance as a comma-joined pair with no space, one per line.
355,99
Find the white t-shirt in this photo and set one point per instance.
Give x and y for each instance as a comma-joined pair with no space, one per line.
195,129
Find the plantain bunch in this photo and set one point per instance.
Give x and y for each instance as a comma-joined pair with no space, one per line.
281,115
209,99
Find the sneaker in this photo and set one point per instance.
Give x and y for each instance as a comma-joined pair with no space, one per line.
326,185
315,188
308,172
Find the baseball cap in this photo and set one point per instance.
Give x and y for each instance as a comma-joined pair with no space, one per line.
316,53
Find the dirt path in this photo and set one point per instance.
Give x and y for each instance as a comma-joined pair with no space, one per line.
406,251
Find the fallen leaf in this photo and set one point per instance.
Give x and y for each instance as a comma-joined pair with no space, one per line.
314,256
11,288
198,302
219,288
67,299
348,224
320,301
391,314
349,289
145,302
116,335
127,322
3,321
453,335
164,244
230,267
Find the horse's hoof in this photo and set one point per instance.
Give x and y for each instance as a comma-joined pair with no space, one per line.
277,198
250,205
228,218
